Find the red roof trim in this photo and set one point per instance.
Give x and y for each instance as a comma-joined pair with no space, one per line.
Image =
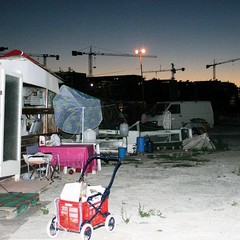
16,53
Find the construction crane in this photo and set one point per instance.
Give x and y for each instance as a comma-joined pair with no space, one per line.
44,56
91,53
3,49
173,70
218,63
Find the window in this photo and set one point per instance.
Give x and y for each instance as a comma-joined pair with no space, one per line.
158,109
175,109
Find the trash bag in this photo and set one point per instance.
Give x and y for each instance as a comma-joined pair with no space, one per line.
55,140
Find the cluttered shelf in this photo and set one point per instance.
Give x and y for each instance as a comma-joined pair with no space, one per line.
36,110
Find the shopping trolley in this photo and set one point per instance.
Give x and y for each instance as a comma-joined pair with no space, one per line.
90,210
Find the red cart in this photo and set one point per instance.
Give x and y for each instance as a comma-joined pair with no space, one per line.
83,216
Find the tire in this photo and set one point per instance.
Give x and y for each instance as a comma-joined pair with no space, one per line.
86,231
110,223
52,230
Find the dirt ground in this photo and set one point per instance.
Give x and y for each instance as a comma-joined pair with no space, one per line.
184,196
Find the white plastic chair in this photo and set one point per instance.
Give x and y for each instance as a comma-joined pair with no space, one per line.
35,159
53,165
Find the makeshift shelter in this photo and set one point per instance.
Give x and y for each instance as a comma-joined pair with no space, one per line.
17,69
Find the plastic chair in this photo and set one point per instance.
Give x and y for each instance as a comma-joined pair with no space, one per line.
35,159
53,166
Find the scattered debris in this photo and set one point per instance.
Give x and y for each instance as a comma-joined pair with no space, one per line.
198,142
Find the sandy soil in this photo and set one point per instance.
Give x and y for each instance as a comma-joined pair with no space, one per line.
187,198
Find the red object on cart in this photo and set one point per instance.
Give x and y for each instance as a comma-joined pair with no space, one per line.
73,214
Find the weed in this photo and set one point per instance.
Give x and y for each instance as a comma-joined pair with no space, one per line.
124,215
45,210
220,145
234,203
150,212
237,171
182,160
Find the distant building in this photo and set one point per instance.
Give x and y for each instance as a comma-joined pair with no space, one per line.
160,90
74,79
122,87
224,96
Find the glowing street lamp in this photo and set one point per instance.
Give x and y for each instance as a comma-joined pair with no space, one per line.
140,52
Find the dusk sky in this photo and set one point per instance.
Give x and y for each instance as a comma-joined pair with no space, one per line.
188,33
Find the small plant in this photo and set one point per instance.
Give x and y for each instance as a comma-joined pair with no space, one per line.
237,171
141,211
220,144
124,215
234,203
45,210
151,212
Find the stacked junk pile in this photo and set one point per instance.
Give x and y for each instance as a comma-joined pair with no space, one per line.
198,142
91,120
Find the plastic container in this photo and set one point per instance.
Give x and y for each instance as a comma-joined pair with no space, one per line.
140,144
89,136
42,141
124,129
149,146
122,152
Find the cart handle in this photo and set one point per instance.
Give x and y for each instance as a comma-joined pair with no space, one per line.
93,196
105,158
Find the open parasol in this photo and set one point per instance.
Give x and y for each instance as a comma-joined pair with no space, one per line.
75,111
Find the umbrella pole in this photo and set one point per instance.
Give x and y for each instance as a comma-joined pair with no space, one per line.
83,108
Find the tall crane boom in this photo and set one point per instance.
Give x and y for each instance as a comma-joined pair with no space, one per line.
44,56
173,70
218,63
91,53
3,48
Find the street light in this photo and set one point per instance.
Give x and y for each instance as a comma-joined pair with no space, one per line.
140,53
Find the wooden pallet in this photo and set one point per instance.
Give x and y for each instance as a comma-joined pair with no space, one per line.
12,204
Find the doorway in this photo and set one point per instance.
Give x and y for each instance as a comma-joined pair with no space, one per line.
10,120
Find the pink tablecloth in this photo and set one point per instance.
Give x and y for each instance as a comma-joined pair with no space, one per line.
73,155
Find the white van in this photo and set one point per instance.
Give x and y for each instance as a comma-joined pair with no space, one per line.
174,115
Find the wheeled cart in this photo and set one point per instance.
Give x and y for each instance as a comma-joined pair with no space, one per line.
89,211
